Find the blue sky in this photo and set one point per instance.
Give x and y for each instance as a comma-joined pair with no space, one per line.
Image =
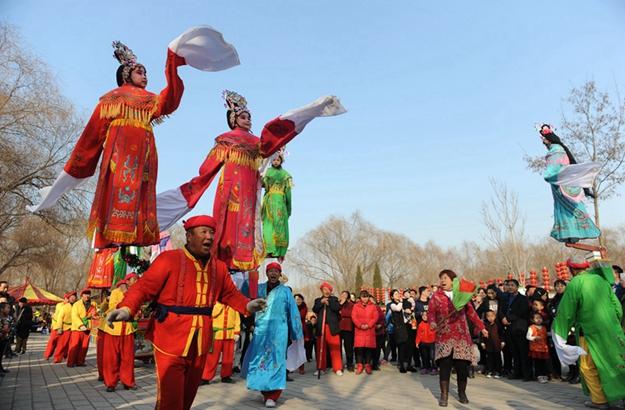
441,95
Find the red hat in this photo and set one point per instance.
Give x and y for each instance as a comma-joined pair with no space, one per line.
130,276
577,264
326,285
86,290
121,282
274,265
71,293
199,220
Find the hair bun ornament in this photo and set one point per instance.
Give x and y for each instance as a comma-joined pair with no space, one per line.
123,54
234,101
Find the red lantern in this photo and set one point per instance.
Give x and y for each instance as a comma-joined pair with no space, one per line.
533,278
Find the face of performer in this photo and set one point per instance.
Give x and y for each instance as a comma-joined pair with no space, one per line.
86,297
277,162
132,281
445,282
326,292
273,276
72,299
123,287
139,77
200,240
244,120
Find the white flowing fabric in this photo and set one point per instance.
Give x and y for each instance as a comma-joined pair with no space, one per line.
51,194
204,48
579,175
170,207
295,355
567,354
326,106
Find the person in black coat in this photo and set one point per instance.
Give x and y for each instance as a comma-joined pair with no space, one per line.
23,324
514,314
328,306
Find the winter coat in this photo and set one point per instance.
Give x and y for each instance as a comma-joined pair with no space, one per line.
364,315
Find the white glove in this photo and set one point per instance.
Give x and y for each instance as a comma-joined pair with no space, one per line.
580,351
256,305
82,328
59,332
118,315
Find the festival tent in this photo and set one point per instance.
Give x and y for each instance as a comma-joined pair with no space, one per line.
35,295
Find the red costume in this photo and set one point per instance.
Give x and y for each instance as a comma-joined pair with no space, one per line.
120,128
83,314
181,333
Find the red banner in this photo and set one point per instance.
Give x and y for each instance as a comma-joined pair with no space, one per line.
102,269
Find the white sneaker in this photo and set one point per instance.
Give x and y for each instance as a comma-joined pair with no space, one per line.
316,373
270,403
339,372
543,379
489,375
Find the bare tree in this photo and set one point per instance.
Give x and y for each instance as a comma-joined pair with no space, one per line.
505,227
37,129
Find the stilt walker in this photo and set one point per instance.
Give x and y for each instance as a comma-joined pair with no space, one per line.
120,131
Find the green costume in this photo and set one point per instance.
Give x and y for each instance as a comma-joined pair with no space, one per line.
276,211
591,307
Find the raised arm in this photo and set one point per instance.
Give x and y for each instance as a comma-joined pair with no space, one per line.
86,154
169,98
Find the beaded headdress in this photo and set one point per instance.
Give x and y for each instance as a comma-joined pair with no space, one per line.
235,103
127,59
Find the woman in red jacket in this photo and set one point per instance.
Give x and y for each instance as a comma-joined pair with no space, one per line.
364,316
303,311
454,346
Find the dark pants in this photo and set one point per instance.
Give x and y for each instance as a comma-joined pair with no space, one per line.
507,356
309,345
427,355
519,349
493,362
556,366
20,344
390,349
540,367
379,345
363,355
246,343
412,353
4,346
402,353
347,339
461,366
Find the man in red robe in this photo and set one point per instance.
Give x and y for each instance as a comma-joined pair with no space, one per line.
184,284
83,313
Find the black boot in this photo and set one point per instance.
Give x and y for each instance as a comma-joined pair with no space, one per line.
442,402
462,392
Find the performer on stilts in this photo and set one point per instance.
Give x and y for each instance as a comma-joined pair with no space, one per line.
120,132
240,153
590,306
276,208
570,183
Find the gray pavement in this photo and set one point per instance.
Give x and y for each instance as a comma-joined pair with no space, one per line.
34,383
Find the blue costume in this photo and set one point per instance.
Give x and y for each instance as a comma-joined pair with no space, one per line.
265,361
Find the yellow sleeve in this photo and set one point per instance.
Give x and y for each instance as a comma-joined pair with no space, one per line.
116,297
237,322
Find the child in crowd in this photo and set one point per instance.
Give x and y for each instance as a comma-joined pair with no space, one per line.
492,345
309,334
539,349
425,343
538,306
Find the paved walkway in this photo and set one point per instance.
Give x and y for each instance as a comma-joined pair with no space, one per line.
34,383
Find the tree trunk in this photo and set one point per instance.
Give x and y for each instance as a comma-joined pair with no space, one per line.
595,201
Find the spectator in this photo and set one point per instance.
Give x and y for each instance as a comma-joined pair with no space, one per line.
421,304
412,354
515,315
538,347
425,343
23,324
328,306
400,331
492,345
347,329
5,331
390,349
380,335
303,311
364,316
309,334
